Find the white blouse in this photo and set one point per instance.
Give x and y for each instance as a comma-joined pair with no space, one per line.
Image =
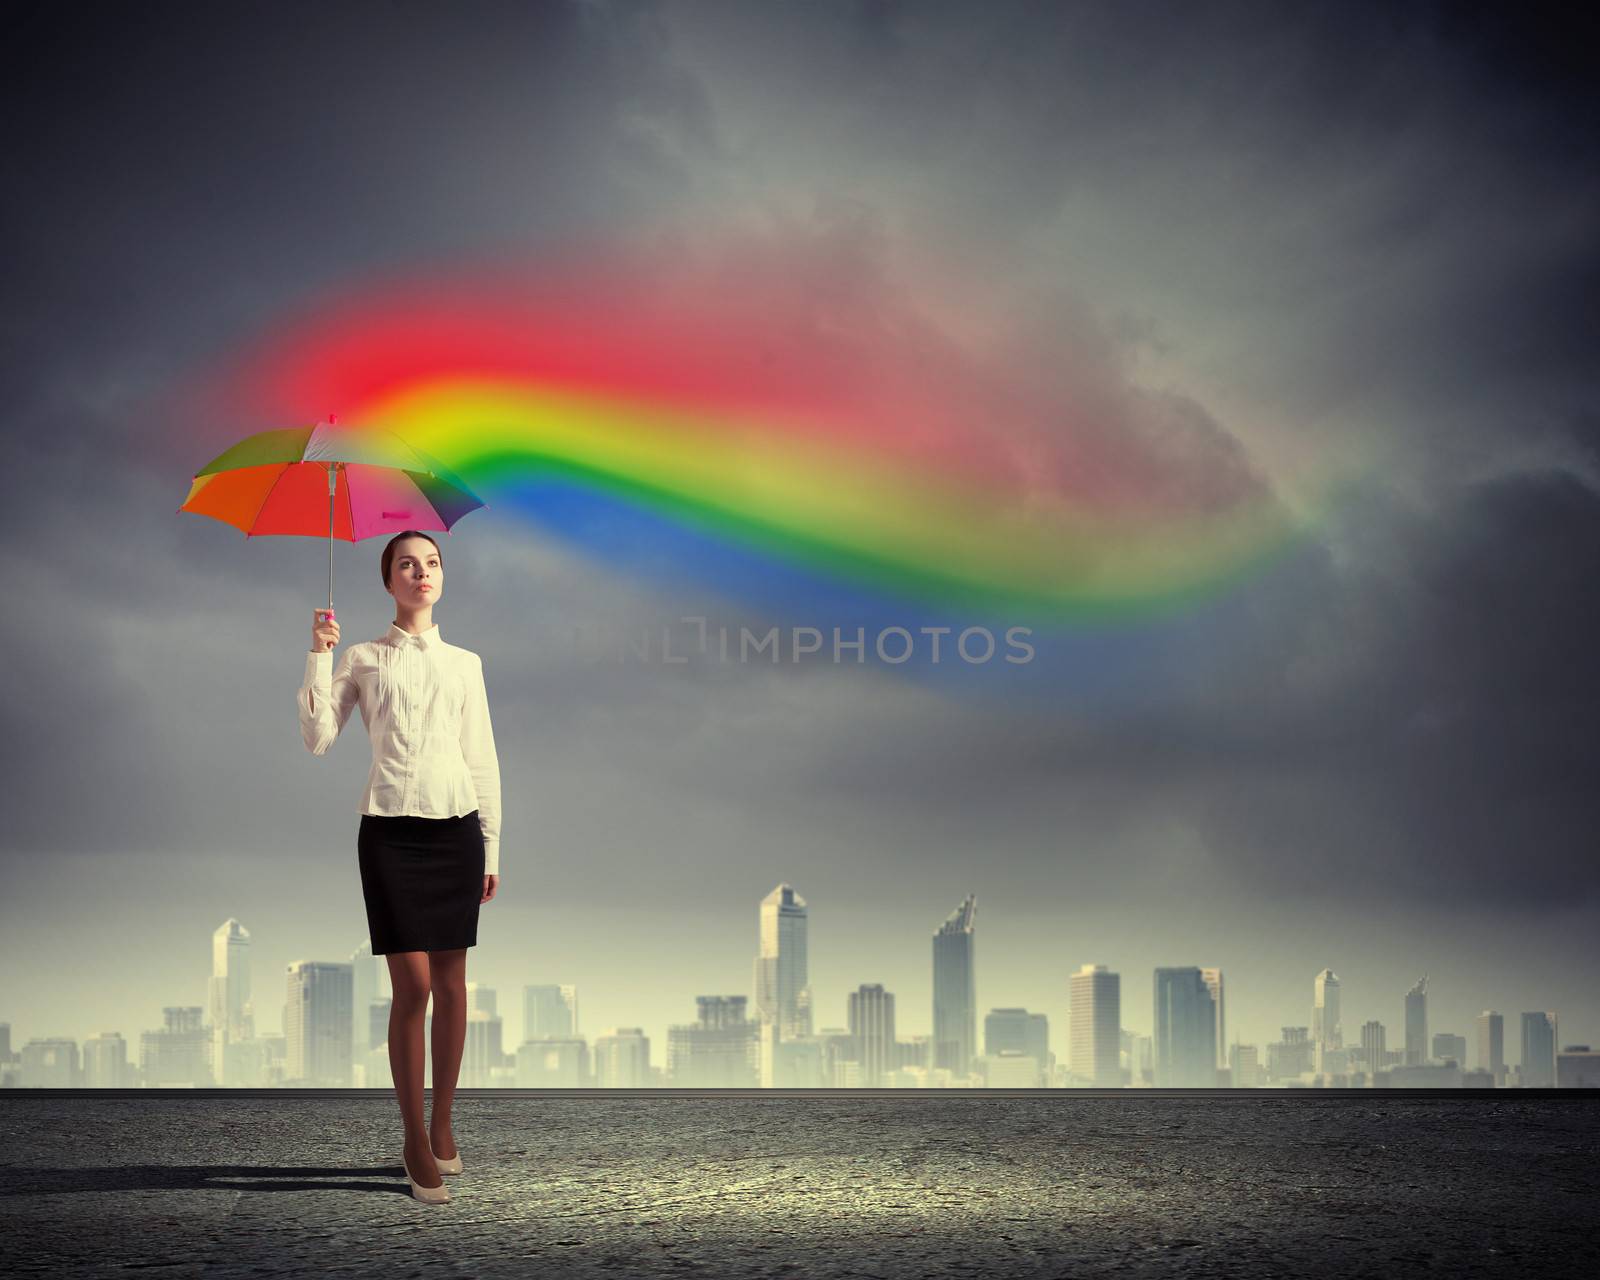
427,713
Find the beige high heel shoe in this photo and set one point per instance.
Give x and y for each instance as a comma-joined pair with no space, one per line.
428,1195
452,1165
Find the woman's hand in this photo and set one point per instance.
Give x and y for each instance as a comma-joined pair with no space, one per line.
324,631
490,884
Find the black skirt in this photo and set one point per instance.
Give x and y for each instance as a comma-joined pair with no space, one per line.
422,879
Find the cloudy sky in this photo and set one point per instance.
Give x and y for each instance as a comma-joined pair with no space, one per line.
1327,232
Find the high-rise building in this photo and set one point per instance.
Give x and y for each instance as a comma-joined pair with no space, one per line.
1213,980
482,1052
1374,1055
1538,1067
50,1063
1016,1031
871,1018
1327,1031
549,1011
1293,1056
1491,1028
180,1053
553,1062
721,1050
622,1059
783,992
363,991
1245,1065
1185,1029
1095,1054
1577,1067
230,1008
1450,1048
318,1027
955,991
1417,1023
105,1062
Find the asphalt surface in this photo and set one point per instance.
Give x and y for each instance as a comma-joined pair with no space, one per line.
917,1184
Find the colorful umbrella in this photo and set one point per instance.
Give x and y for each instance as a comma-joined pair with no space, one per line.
274,482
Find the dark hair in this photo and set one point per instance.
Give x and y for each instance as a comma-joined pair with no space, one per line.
388,551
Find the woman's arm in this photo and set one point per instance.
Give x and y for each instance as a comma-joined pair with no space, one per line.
477,745
327,697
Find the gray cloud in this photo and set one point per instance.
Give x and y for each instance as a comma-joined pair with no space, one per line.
1251,233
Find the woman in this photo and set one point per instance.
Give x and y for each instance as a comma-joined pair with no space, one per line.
429,842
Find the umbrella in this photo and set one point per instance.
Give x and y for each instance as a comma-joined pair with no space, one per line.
274,482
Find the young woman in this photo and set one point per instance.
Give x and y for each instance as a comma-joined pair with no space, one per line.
429,842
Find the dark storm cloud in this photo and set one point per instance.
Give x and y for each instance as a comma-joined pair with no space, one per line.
1383,219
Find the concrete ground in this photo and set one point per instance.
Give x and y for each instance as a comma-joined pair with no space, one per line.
292,1183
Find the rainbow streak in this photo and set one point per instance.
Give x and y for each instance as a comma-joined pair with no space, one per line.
716,421
836,511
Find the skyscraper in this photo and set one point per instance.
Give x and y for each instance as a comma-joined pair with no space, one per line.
1373,1051
783,994
317,1024
1213,980
955,991
363,991
1016,1031
1491,1029
1185,1030
1450,1048
549,1011
872,1030
1327,1032
721,1050
228,1000
622,1059
1096,1026
1538,1067
1417,1023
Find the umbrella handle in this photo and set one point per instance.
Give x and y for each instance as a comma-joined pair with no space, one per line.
333,485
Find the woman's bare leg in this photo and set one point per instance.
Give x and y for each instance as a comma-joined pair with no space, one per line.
409,976
448,975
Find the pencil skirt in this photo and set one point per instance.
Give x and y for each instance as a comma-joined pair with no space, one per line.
422,879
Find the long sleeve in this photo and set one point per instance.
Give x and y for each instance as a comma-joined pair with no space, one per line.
477,746
326,698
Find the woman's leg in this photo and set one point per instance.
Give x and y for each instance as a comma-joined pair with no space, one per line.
409,976
448,975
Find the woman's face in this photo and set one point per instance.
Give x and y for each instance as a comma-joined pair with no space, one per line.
416,575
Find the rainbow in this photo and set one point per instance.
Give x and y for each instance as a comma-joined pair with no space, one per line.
760,419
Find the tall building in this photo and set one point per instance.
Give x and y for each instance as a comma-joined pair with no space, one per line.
1538,1067
1008,1032
721,1050
1213,980
229,1004
482,1054
1293,1056
871,1018
955,991
317,1024
50,1063
180,1053
1491,1028
1450,1048
105,1062
783,992
363,991
549,1011
1417,1023
1327,1031
1185,1030
1374,1055
553,1062
622,1059
1095,1054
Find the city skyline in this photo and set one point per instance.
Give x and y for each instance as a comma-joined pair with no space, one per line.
873,1011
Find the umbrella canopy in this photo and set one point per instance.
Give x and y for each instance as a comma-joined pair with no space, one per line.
330,481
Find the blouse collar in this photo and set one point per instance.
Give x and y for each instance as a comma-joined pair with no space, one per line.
400,637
